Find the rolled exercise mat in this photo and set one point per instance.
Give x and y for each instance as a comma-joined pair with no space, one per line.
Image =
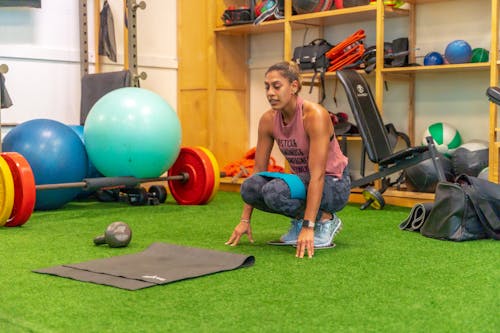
159,264
417,217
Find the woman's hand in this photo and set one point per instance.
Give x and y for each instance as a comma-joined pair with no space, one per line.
242,228
305,242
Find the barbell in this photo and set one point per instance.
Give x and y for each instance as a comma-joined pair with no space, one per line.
193,179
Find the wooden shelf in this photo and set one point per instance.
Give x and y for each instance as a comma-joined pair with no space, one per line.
436,69
228,185
264,27
345,15
395,197
335,16
307,76
483,66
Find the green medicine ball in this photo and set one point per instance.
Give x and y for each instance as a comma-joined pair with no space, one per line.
480,55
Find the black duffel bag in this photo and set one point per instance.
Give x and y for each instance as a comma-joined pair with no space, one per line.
465,210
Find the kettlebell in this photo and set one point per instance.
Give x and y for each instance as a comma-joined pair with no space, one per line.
117,234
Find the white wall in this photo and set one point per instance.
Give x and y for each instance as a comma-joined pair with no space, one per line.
457,98
42,49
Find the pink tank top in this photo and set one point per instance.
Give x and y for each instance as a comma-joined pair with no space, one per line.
293,143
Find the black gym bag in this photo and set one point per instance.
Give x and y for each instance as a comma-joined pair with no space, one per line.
465,210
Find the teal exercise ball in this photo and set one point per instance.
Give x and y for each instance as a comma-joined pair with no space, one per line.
132,132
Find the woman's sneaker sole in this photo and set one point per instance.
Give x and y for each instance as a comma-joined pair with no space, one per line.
317,247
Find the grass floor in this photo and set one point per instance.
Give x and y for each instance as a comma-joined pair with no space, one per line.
377,279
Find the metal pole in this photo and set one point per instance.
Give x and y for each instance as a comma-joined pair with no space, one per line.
131,42
84,47
3,70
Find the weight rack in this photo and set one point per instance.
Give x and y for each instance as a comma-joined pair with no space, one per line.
130,38
3,70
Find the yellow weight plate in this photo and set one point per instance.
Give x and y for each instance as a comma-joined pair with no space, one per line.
215,165
376,198
6,191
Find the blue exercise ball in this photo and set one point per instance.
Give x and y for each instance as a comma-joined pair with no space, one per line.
433,59
132,132
458,52
56,155
92,171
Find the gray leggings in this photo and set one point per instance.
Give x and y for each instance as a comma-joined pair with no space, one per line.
273,195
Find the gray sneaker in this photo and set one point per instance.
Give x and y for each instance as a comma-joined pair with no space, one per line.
325,232
290,238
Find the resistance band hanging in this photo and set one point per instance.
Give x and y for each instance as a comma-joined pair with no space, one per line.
106,33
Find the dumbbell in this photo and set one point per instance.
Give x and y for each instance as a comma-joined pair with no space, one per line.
135,196
117,234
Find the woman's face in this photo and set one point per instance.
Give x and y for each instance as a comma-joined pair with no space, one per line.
279,91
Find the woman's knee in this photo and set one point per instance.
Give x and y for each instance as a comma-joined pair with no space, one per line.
277,196
251,189
336,194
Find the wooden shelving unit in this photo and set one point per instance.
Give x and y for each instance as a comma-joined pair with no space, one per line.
225,73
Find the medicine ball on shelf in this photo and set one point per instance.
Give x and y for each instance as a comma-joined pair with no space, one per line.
458,52
470,158
423,176
484,174
433,59
480,54
445,137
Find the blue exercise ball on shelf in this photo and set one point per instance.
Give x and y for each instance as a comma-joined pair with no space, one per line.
458,52
132,132
433,59
56,155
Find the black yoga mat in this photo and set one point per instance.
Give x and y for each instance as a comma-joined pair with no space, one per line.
159,264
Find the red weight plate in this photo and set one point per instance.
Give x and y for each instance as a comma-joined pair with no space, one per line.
24,189
196,189
210,174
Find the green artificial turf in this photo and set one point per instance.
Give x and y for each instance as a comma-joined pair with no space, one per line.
377,279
